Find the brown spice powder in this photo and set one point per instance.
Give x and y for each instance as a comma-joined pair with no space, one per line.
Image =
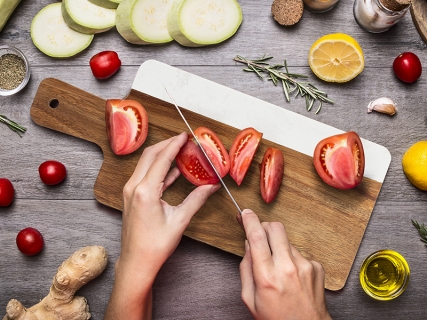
12,71
395,5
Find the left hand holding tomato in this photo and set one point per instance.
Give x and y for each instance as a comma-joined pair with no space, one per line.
151,228
104,64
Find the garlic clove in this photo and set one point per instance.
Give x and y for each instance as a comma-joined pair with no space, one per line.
383,105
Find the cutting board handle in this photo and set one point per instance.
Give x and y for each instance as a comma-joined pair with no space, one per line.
62,107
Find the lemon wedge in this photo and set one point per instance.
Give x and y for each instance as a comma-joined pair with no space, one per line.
336,57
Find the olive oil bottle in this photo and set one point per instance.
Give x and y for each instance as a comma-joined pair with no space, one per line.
384,275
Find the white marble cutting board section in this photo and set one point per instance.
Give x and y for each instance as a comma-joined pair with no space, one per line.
226,105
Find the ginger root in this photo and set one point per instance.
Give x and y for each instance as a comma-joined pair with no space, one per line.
81,267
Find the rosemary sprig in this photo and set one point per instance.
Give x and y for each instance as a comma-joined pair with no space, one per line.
288,80
422,230
13,125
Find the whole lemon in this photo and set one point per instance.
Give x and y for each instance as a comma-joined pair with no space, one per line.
414,163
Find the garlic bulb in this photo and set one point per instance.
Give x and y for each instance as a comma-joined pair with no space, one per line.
383,105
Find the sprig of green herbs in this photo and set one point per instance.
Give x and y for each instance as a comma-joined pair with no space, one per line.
279,73
13,125
422,230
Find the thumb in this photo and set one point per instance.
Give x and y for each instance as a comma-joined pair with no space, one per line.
194,201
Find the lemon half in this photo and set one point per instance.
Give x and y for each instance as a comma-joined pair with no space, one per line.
336,57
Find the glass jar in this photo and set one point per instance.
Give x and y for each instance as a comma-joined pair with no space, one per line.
374,16
384,275
7,50
319,5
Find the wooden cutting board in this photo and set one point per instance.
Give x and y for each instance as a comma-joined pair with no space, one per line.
325,224
419,16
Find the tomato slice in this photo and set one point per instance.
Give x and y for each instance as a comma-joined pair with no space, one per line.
242,152
340,160
193,164
127,125
272,169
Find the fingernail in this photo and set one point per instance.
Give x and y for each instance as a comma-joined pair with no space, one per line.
245,211
214,188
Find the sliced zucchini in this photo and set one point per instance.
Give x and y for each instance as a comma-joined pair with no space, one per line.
144,21
197,23
6,9
52,36
109,4
86,17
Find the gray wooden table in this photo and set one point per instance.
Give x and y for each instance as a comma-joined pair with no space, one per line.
198,281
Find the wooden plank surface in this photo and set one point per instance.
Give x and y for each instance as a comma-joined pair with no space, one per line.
320,235
199,281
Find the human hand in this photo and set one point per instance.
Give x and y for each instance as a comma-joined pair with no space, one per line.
277,281
151,228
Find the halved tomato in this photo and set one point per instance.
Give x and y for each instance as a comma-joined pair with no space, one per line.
127,125
340,160
242,152
272,169
193,164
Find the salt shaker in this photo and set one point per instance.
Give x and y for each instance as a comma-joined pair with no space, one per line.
319,5
379,15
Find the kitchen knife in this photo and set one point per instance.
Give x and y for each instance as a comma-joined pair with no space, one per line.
204,152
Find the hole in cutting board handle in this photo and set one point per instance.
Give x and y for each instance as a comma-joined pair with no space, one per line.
54,103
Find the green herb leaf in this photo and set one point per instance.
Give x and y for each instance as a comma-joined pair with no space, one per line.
422,230
289,80
13,125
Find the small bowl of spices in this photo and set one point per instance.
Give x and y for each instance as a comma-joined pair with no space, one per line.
14,70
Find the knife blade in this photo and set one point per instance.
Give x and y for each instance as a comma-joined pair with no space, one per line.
204,152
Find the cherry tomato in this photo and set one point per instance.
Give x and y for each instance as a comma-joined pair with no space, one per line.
272,168
127,125
104,64
52,172
7,193
29,241
242,152
340,160
407,67
193,164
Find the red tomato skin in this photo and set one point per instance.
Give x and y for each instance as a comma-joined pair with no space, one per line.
407,67
52,172
215,149
242,152
29,241
340,160
193,164
126,124
272,170
104,64
7,193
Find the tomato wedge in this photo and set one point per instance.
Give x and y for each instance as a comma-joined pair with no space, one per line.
340,160
242,152
127,125
272,169
193,164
